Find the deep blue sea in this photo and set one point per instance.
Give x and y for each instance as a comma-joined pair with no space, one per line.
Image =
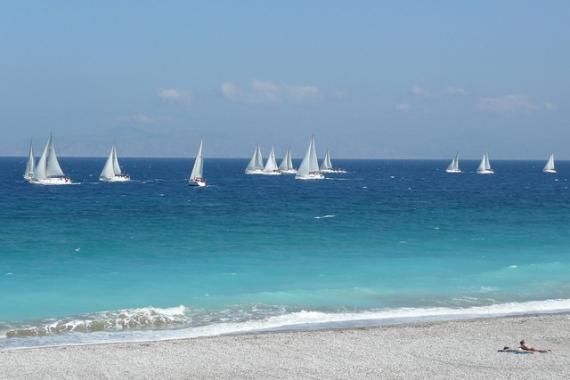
389,241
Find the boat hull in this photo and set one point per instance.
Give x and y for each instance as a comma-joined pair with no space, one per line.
453,171
117,178
292,171
311,176
58,181
549,171
484,172
254,172
197,182
271,173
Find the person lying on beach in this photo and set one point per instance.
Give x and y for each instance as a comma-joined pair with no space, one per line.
513,350
524,347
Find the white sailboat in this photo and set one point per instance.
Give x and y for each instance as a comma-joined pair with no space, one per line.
197,176
549,167
286,166
454,165
271,167
255,165
485,166
29,173
327,166
309,168
48,171
112,170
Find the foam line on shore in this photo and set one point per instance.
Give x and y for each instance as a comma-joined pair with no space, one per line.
301,320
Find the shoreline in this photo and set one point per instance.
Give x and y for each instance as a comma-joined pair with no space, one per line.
301,321
440,349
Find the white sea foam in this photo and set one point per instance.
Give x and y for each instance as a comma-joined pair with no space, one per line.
299,320
325,216
147,317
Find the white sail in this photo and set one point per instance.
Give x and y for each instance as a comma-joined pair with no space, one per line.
52,167
256,162
40,171
313,162
549,167
108,171
309,166
327,164
482,164
454,165
116,167
29,173
284,165
197,170
487,163
271,165
289,161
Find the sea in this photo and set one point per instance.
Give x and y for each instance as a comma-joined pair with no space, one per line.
390,241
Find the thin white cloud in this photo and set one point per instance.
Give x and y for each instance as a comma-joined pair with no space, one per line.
403,107
270,92
456,91
419,91
511,103
176,95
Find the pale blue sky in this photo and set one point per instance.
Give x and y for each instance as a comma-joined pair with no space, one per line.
399,79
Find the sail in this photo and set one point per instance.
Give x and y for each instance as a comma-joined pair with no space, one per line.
29,173
289,161
40,171
309,163
259,158
271,164
313,162
549,164
116,167
198,164
285,162
256,162
482,166
108,171
454,165
52,167
487,163
326,164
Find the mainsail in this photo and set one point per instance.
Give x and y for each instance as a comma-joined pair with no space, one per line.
29,173
108,172
454,165
198,165
53,169
284,165
289,161
48,166
271,165
482,166
549,167
487,163
256,162
309,164
327,164
116,167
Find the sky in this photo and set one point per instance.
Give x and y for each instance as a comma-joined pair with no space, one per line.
370,79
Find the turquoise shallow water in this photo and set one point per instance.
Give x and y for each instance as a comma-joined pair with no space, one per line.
156,254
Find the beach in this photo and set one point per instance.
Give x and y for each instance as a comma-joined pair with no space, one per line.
436,350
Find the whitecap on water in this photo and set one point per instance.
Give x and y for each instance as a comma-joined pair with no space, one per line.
324,216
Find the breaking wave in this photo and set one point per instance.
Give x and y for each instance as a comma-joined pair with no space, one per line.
150,324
